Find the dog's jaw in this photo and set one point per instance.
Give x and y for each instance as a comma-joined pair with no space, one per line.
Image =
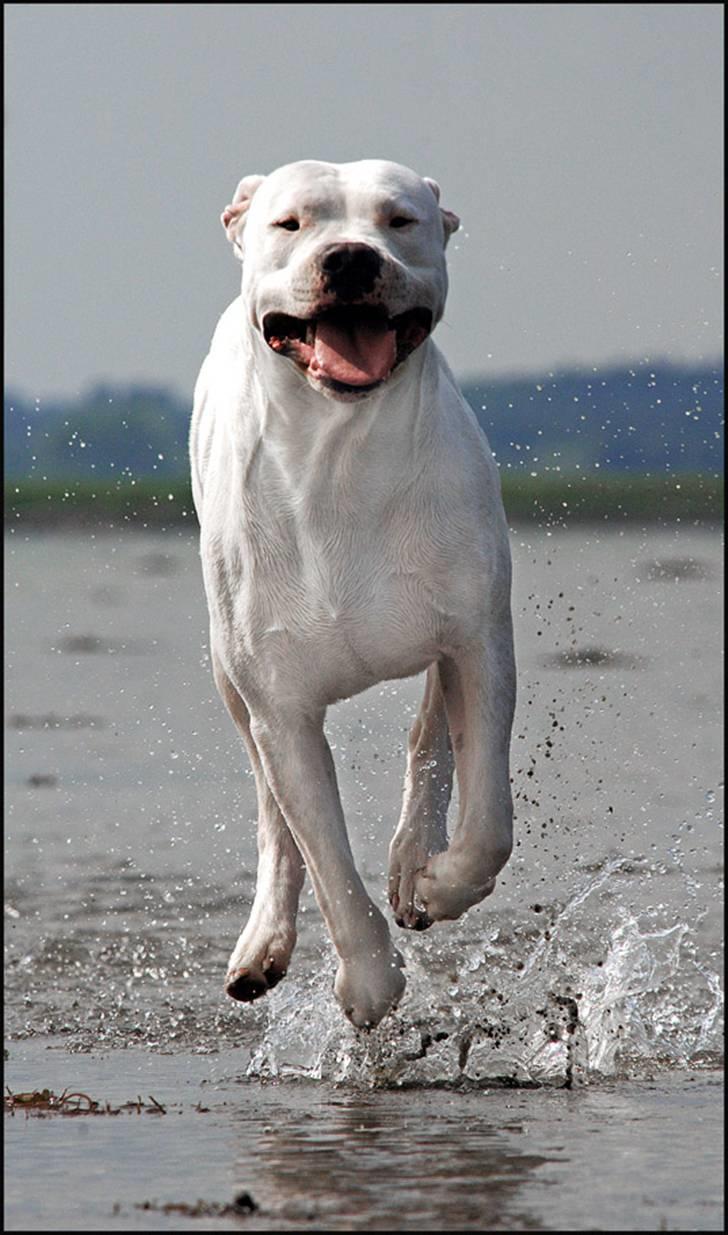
347,351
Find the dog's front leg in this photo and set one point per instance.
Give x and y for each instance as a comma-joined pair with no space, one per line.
479,691
422,828
300,770
260,957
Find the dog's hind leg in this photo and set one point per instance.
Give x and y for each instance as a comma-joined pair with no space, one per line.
261,955
422,828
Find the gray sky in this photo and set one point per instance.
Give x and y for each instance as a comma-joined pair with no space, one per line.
581,144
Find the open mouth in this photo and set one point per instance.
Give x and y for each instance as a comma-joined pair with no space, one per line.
351,348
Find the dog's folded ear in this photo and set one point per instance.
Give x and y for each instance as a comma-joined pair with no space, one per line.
450,221
233,216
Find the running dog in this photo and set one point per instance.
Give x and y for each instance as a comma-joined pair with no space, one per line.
352,531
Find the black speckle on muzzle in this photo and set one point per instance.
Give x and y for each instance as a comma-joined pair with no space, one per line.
350,271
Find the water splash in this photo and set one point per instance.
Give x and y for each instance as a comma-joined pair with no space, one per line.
604,991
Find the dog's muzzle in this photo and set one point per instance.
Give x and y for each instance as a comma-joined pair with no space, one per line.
351,343
348,347
350,271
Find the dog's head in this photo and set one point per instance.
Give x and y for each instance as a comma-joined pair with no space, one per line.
343,267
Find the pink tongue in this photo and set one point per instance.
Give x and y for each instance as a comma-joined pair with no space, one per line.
357,354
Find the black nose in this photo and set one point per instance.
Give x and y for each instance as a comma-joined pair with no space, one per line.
351,270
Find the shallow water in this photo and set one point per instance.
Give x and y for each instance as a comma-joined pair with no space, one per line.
130,858
316,1156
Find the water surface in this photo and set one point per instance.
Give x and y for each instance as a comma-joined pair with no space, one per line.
592,972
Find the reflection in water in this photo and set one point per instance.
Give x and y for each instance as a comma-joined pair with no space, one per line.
130,878
341,1162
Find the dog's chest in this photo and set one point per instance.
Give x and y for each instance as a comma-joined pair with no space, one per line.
351,595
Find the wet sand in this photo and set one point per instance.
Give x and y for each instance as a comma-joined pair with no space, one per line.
591,975
313,1156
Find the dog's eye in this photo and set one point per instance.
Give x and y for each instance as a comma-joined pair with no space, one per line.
401,220
290,225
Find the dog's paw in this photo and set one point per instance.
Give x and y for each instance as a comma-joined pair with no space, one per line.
369,987
255,968
445,892
247,983
408,913
406,861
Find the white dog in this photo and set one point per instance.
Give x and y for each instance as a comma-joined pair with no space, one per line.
352,531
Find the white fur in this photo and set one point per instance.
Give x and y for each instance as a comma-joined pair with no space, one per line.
347,539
